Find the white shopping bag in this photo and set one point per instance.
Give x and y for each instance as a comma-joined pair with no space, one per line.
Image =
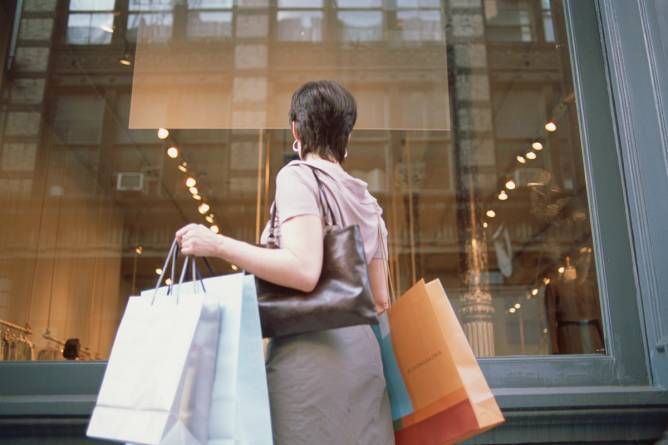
157,384
240,401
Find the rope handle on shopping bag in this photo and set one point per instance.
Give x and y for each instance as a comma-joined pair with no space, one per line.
195,274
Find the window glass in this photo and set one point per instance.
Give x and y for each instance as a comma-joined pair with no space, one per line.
154,16
89,28
494,203
360,26
300,26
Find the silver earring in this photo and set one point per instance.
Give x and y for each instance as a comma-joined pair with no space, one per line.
296,146
345,155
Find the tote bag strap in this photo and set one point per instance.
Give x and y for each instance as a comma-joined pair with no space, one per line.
327,211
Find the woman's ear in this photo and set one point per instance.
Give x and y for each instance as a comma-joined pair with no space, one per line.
293,126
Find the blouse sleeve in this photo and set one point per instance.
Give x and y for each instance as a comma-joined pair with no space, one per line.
295,194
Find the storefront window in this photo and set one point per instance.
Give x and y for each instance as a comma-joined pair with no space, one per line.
493,201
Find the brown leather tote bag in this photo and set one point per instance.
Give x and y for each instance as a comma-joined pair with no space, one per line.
343,294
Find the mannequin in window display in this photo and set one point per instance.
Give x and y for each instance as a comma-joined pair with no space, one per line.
573,310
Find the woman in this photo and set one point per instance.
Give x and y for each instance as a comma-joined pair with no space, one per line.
325,387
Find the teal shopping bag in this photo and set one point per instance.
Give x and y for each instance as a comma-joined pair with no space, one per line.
400,401
239,412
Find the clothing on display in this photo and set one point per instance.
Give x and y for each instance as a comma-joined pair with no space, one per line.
14,343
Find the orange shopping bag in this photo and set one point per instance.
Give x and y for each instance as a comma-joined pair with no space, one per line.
450,398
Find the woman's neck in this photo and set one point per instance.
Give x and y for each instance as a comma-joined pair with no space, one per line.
314,156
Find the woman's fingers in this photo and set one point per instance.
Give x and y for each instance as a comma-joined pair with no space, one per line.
183,231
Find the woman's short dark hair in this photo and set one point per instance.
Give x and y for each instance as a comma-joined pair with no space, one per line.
324,113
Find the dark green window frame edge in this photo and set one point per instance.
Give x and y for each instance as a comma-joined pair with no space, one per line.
619,379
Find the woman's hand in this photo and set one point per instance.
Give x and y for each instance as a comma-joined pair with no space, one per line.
199,240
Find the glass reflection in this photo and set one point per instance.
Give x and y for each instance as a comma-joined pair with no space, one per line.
210,24
90,29
360,4
299,26
90,206
300,3
420,26
360,26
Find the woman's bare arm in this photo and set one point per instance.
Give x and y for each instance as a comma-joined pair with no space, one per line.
378,275
297,264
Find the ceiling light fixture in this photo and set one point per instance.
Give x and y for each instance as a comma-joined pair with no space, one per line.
191,182
173,152
503,195
163,133
531,155
551,126
203,208
537,146
510,184
521,159
491,213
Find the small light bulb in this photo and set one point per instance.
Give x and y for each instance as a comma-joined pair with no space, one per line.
191,182
534,292
214,228
183,168
163,133
173,152
551,126
158,271
234,268
517,305
561,269
546,281
209,218
193,190
537,146
485,225
512,310
545,331
491,213
521,159
531,155
503,195
125,61
139,250
510,184
168,281
203,208
197,197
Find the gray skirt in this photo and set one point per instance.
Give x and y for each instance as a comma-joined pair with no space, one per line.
327,388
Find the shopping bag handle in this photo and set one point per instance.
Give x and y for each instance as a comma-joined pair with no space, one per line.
171,258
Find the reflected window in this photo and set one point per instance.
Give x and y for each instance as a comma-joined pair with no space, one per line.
419,4
420,26
154,17
90,22
510,20
299,26
360,26
359,4
548,26
300,3
209,19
